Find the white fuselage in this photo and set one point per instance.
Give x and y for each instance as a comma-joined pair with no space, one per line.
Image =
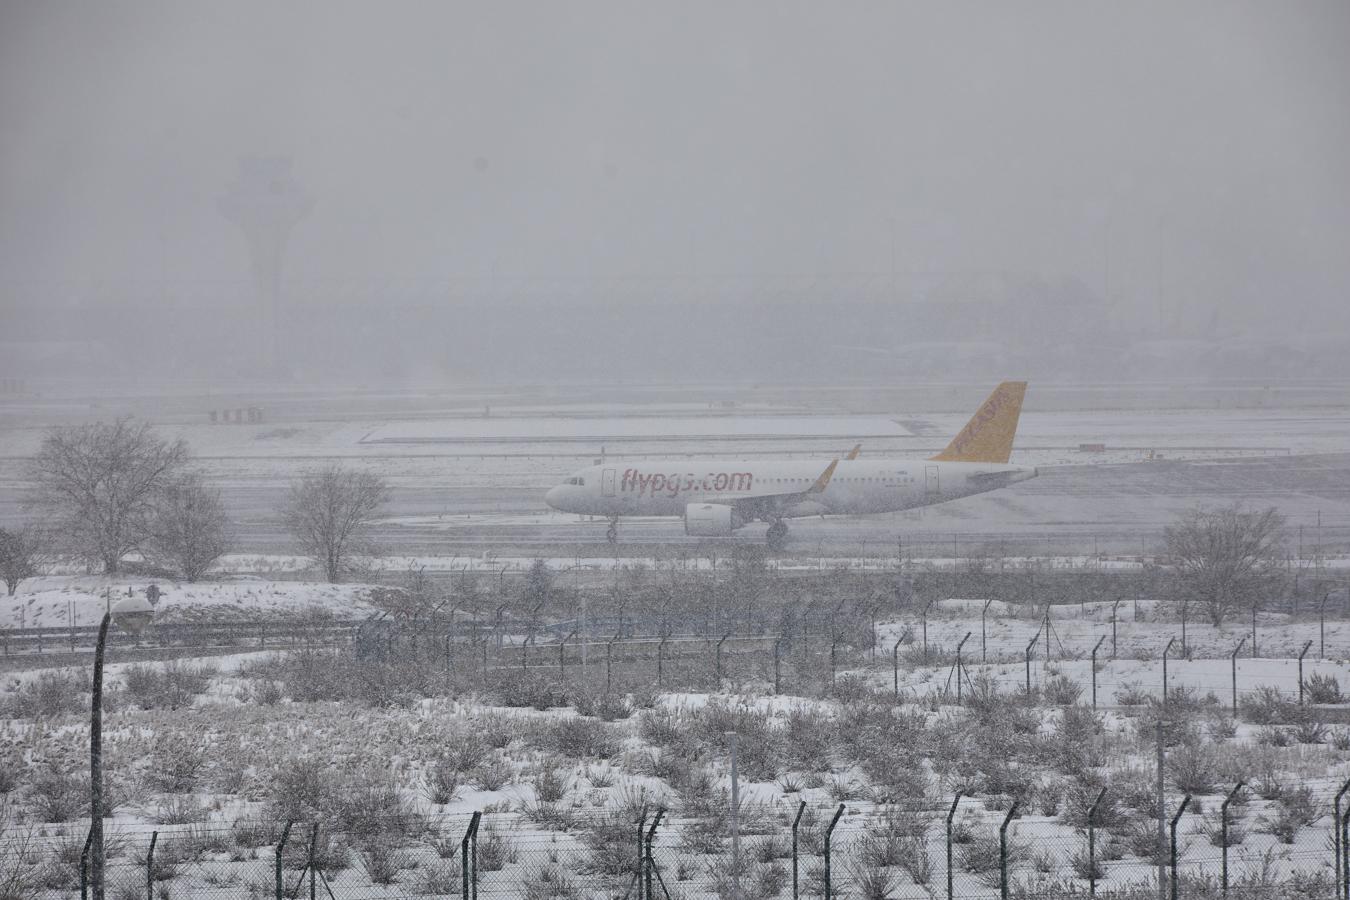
775,489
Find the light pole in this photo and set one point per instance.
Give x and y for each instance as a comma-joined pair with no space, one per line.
132,614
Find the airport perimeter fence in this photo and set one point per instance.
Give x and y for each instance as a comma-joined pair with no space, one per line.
794,851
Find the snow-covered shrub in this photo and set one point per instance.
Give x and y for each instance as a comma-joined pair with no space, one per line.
53,693
1061,690
1322,688
578,737
1193,769
1270,707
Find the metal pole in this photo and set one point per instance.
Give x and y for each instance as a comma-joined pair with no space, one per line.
1185,652
1094,669
1162,804
984,644
1223,831
1322,624
281,845
829,834
796,821
1302,653
895,667
96,759
958,667
735,815
1236,650
1336,837
1253,629
1345,853
648,864
1092,843
84,864
1030,647
925,631
1003,852
1114,607
150,867
1166,650
468,853
951,813
313,840
1175,819
777,663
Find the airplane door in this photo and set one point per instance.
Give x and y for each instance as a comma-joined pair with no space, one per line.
607,483
930,479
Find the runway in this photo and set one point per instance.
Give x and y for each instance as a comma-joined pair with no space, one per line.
466,483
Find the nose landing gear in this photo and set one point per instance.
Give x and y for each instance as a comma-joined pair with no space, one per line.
612,534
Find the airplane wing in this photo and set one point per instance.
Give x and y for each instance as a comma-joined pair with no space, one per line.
771,500
853,454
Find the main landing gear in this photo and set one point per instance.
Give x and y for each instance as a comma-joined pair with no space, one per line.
776,536
612,534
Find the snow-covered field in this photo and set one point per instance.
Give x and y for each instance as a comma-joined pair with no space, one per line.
560,767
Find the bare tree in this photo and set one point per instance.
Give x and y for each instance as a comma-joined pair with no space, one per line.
23,554
330,513
188,527
1226,557
100,481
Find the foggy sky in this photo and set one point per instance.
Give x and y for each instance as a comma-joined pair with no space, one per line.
1161,156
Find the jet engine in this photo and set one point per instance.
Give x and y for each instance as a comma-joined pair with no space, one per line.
710,519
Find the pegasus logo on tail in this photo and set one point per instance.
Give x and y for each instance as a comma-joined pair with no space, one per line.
988,436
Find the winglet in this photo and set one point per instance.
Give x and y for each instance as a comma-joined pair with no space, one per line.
853,454
823,481
988,436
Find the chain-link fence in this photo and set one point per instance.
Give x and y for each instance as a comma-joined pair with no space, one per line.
789,849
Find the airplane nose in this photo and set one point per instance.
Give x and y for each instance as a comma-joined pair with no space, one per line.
553,496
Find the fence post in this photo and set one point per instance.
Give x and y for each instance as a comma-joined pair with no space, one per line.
1003,852
661,662
1094,670
1175,819
641,863
1185,649
1166,650
1030,648
959,667
1114,607
1253,629
609,662
281,845
829,834
925,631
796,820
1336,837
84,864
1302,653
895,665
1223,832
951,814
150,867
984,641
1321,625
720,642
1236,651
313,843
777,662
468,858
1092,843
648,863
1345,852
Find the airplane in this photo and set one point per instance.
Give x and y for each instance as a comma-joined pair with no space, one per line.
716,498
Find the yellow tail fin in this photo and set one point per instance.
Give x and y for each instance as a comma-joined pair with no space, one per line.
988,436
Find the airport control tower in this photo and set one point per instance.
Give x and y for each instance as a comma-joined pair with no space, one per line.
266,202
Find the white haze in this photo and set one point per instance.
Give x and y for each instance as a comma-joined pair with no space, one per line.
689,190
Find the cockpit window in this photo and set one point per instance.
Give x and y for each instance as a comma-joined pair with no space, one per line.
580,482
